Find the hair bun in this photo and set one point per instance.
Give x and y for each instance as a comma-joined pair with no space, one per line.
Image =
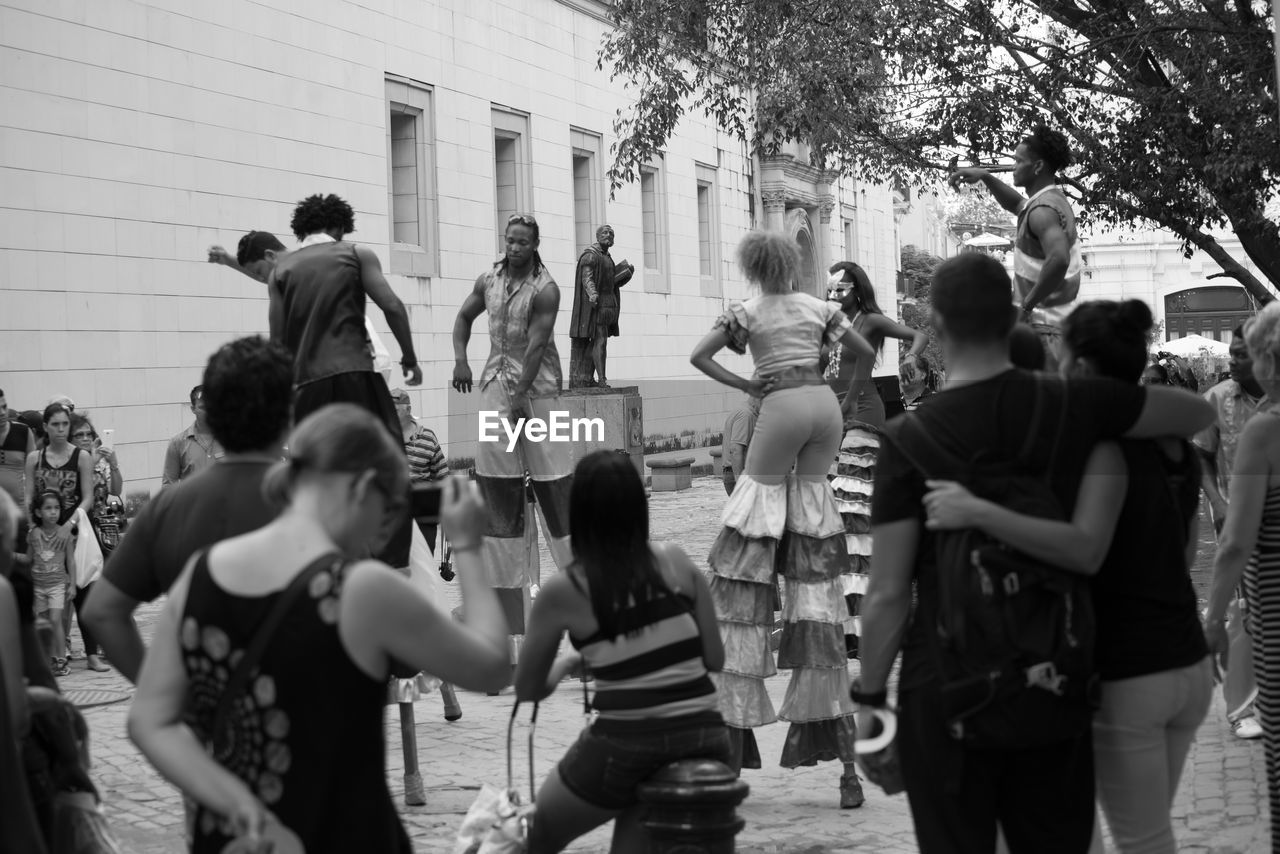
1135,314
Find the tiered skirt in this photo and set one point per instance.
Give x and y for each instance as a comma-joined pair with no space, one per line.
852,474
793,531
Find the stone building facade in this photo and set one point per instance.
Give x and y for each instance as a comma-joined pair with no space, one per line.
140,132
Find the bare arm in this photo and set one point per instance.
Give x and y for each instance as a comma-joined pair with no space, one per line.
735,454
542,323
109,612
1044,224
385,616
891,328
29,479
275,309
1077,546
156,727
377,289
1171,412
1007,197
471,308
219,255
704,610
1249,482
703,358
85,468
535,672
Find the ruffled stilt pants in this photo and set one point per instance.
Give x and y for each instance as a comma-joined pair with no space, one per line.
852,474
793,531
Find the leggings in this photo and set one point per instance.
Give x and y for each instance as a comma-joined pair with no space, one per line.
796,426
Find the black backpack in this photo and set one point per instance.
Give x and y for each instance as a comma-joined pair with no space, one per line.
1014,636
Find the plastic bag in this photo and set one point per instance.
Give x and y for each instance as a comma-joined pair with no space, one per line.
88,554
496,823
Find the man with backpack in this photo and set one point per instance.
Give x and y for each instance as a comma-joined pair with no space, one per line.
995,692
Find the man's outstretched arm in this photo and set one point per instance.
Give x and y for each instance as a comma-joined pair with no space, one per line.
1007,197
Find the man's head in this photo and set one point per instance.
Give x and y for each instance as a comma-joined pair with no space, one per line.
248,386
404,407
196,397
1241,363
258,252
328,214
604,236
1040,156
972,302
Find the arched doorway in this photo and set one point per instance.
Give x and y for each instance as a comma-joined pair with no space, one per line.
801,230
1209,311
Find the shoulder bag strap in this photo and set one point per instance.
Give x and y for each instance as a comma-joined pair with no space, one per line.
261,639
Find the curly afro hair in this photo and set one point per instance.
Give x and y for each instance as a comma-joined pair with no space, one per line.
247,391
1049,145
322,213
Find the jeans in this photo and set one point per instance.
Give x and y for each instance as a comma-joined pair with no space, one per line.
1141,737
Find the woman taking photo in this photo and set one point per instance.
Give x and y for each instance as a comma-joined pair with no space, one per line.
799,427
641,618
1134,525
272,755
1250,544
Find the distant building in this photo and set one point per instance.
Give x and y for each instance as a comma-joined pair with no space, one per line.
139,132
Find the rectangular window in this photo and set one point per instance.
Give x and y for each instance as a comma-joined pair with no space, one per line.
512,184
411,193
588,186
653,213
708,231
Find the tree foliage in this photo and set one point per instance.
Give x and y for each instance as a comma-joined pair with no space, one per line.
917,311
1170,104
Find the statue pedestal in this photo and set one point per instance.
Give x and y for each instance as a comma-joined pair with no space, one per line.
621,410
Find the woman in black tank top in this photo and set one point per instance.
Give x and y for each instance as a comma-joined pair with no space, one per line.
61,467
316,766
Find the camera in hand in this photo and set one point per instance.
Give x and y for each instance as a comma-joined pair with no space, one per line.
424,501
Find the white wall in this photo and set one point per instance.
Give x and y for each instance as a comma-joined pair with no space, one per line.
135,134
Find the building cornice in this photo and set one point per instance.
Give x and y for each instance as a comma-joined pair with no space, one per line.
591,8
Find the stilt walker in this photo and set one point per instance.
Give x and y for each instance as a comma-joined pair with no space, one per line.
521,379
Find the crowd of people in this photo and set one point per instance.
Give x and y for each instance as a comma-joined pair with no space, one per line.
1050,474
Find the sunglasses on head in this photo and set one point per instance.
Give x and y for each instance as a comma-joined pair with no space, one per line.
522,219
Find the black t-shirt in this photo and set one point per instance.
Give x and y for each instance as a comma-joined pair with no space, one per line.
988,420
1148,618
222,501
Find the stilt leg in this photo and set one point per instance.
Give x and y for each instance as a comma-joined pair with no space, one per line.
413,793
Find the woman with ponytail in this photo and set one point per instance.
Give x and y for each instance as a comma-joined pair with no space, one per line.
640,616
270,762
1134,530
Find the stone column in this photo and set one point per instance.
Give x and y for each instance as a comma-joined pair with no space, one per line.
775,209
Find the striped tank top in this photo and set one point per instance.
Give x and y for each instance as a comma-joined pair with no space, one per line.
653,675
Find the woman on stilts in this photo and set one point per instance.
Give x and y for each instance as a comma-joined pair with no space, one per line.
780,523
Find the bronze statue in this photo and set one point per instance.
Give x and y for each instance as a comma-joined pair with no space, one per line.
595,310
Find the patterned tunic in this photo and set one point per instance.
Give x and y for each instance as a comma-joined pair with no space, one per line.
317,762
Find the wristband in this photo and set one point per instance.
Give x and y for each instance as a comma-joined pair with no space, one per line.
871,699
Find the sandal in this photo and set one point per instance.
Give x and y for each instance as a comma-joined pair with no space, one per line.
95,664
60,667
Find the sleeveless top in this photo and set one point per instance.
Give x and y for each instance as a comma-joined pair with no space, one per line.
1147,612
509,316
324,311
1029,255
63,479
13,460
651,676
782,330
316,759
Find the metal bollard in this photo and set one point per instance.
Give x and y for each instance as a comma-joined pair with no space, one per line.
691,807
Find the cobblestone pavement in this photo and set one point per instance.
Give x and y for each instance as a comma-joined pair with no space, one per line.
1220,807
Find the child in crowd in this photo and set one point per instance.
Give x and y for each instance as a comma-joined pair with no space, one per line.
50,569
